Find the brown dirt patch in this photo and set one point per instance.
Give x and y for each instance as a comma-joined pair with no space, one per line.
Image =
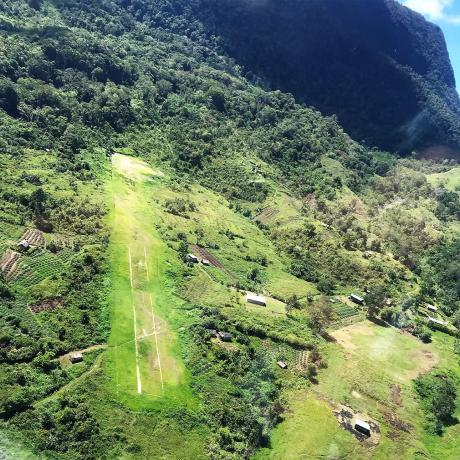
47,305
267,214
346,417
8,263
428,359
301,359
396,423
203,253
395,394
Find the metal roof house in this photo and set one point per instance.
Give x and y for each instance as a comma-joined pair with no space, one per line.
437,321
206,262
282,364
212,332
431,307
225,336
76,358
362,427
24,244
356,299
256,299
192,258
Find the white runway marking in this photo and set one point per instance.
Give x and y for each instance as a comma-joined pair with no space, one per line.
156,342
138,373
146,264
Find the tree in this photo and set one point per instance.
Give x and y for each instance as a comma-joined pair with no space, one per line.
326,285
183,250
9,98
320,315
292,303
253,275
438,394
217,97
37,201
5,292
375,300
35,4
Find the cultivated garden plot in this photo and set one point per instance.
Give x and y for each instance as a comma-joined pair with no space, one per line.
8,263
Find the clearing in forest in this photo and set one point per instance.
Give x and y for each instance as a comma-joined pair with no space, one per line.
402,356
370,369
449,179
142,358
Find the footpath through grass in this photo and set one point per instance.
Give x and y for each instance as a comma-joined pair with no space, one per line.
143,359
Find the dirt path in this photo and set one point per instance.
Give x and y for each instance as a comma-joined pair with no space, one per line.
66,356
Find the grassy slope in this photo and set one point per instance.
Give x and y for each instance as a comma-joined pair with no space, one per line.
133,235
233,239
310,429
359,375
446,446
449,179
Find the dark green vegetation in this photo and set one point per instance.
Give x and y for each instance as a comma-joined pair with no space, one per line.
381,68
438,393
440,274
284,200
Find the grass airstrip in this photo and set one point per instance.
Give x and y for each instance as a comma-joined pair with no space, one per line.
143,358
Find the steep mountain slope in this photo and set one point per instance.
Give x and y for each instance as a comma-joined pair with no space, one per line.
106,110
380,67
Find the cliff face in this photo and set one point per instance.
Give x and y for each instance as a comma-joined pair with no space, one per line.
380,67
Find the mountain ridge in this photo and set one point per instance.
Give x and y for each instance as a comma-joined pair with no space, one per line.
380,67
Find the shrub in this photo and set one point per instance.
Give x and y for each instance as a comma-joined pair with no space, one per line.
437,392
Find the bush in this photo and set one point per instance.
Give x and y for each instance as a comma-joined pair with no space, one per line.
423,332
438,394
5,292
179,206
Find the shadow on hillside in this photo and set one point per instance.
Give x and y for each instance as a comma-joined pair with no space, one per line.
379,322
450,421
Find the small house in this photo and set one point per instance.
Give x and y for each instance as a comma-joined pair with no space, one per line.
212,333
76,358
362,427
356,299
206,262
225,336
256,299
438,322
431,307
24,245
282,364
193,258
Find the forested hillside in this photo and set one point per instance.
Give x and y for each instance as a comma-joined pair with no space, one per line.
132,137
380,67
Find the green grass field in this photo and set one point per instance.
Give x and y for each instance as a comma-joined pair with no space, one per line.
449,179
143,357
370,369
